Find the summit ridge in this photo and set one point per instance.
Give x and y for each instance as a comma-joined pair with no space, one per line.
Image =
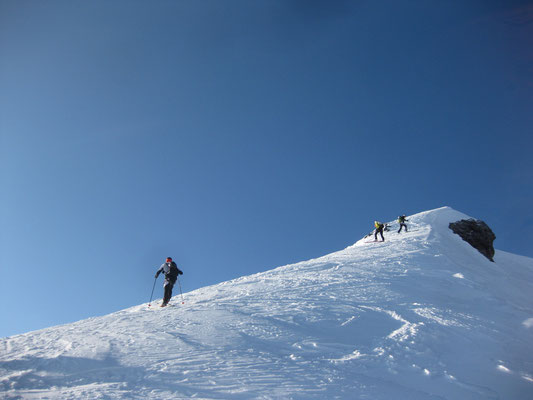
422,315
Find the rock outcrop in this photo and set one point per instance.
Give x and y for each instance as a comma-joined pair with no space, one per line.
477,234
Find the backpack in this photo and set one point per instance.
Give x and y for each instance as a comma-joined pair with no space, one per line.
172,273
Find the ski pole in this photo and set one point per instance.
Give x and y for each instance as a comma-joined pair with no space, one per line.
182,302
152,292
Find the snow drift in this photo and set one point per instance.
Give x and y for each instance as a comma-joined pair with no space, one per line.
422,315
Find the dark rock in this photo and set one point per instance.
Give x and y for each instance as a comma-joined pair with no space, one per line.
477,234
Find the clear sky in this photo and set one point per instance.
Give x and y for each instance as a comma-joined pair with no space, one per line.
238,135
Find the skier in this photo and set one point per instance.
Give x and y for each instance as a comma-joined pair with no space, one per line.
379,229
401,221
171,271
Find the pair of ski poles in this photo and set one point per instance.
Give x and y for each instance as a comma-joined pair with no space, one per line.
153,287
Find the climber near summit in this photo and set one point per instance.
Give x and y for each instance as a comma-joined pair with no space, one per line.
379,229
401,221
171,271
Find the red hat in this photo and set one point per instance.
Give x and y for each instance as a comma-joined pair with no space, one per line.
169,259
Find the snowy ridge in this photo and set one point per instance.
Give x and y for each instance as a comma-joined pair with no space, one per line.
420,316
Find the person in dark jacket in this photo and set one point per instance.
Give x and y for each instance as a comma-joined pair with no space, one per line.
379,229
401,221
171,271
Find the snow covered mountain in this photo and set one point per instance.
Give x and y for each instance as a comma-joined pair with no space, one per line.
422,315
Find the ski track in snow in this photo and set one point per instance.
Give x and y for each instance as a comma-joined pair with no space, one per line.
391,320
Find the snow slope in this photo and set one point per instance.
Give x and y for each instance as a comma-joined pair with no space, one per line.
421,316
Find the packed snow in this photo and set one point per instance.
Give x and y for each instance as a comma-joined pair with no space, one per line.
422,315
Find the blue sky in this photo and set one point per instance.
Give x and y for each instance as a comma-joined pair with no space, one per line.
237,136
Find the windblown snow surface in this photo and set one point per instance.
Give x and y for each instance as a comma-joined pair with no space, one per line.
422,315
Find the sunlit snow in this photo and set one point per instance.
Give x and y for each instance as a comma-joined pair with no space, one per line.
378,321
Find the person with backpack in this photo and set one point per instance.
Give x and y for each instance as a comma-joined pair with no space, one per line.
401,221
379,229
171,271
